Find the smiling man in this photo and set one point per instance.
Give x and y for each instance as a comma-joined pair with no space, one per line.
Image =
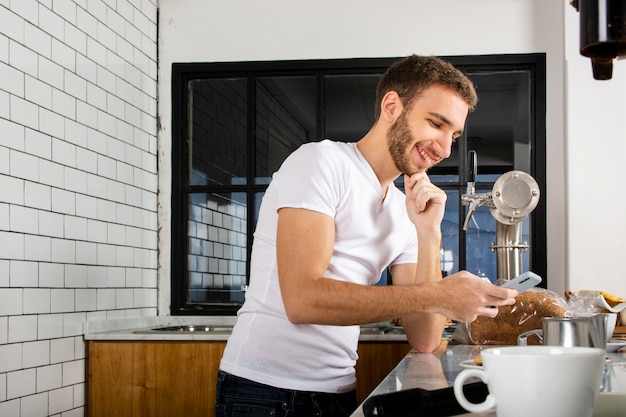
330,222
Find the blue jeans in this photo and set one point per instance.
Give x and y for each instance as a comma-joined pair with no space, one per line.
239,397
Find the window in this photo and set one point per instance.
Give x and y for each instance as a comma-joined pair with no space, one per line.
234,124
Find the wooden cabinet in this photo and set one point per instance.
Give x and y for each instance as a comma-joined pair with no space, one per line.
132,379
177,378
376,360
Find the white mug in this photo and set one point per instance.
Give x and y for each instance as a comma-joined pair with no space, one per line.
538,381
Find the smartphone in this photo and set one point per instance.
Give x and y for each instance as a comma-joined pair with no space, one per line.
523,282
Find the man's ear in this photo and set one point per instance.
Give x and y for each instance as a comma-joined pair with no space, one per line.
390,107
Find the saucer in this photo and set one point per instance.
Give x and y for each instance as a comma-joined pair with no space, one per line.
614,345
469,364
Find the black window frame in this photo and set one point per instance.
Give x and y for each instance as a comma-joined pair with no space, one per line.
182,73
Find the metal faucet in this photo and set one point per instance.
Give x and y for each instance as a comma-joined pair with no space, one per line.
514,196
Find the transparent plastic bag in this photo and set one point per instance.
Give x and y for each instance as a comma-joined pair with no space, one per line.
526,314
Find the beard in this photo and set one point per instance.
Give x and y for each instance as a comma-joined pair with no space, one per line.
399,140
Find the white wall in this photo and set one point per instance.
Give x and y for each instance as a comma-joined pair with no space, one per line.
582,247
78,189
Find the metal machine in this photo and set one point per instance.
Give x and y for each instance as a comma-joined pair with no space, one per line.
514,196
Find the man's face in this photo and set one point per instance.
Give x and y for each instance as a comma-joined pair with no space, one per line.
422,135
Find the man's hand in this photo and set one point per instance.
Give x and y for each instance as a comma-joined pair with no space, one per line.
425,202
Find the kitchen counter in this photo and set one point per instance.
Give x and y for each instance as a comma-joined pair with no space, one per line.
217,328
432,372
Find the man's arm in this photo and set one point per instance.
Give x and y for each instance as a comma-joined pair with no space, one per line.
305,242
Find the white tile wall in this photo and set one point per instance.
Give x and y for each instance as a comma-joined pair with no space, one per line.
78,189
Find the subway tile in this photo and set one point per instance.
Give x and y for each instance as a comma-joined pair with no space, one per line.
80,346
50,22
96,96
96,186
87,115
34,405
75,85
24,274
63,55
11,80
26,10
80,397
38,248
61,300
76,133
66,9
37,143
106,211
38,92
116,277
106,123
10,408
63,152
125,214
86,253
37,196
38,40
51,224
86,22
63,201
12,25
63,251
75,228
85,300
51,123
4,330
10,301
106,166
50,173
50,72
86,206
23,219
105,299
124,256
36,354
24,166
86,160
22,58
11,189
21,383
50,326
124,298
22,328
24,112
13,134
62,350
116,192
97,230
75,39
116,234
3,392
75,276
4,268
51,275
107,254
73,372
36,300
73,323
75,180
49,377
10,357
5,220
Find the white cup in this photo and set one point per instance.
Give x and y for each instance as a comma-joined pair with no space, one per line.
538,381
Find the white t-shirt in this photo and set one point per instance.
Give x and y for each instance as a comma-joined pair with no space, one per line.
332,178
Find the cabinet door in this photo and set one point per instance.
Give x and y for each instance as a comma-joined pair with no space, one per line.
132,379
376,360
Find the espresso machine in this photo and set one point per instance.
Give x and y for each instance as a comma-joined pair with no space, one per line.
514,196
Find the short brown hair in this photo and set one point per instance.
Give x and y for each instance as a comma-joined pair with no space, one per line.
414,74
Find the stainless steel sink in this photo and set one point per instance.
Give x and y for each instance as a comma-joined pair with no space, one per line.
187,328
384,329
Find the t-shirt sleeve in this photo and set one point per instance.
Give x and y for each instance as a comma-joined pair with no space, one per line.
309,178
